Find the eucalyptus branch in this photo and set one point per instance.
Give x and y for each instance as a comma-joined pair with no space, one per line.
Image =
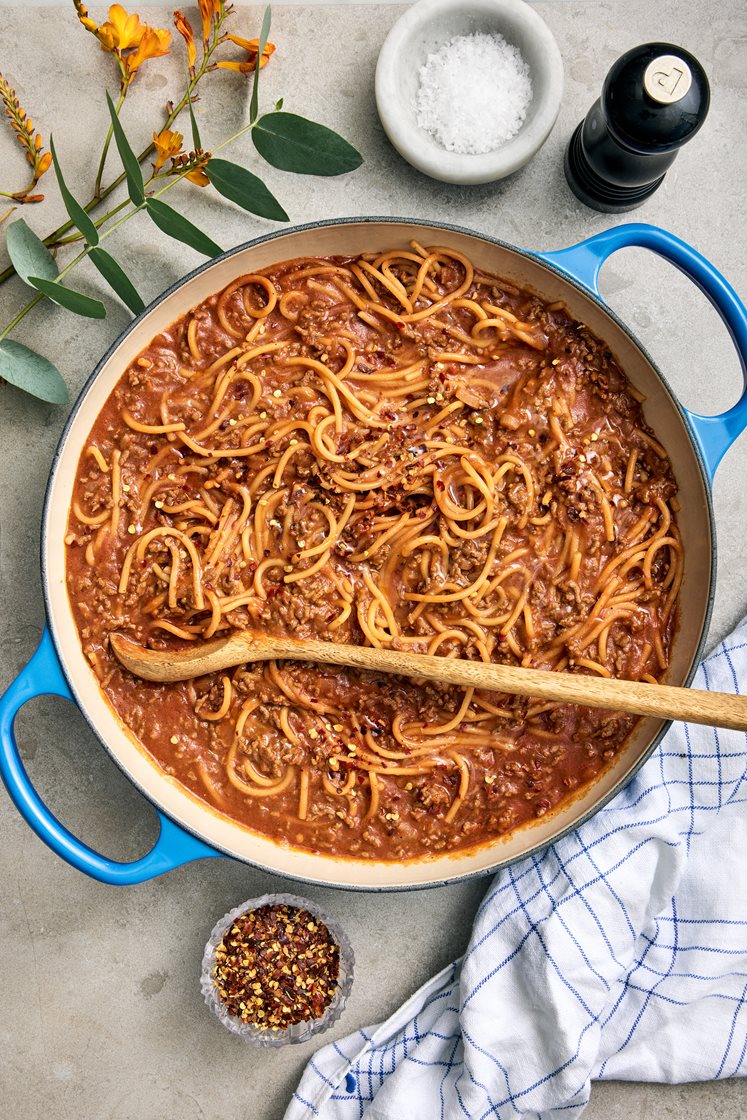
172,182
96,197
21,314
85,252
57,237
98,223
284,140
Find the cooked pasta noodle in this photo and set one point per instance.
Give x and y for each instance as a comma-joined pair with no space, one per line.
396,450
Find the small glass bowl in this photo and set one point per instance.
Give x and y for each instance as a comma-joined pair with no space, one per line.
296,1032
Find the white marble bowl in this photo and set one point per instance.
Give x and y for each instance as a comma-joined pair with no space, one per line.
421,31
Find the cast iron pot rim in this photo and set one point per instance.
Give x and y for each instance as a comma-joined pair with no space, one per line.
450,227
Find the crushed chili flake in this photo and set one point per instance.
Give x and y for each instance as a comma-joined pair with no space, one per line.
277,965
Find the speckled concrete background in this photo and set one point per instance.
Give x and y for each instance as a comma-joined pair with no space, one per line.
101,1013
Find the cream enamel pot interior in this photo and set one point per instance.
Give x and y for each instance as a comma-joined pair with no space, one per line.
189,828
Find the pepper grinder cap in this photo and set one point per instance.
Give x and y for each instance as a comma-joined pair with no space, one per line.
655,97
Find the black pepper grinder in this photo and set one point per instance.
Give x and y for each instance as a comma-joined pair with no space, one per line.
654,99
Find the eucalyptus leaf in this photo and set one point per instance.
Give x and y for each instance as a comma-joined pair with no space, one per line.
76,212
169,221
117,279
135,185
195,130
29,255
245,189
31,372
293,143
69,299
263,37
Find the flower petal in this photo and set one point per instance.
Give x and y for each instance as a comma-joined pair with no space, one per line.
206,15
245,44
199,177
167,144
241,67
154,43
126,30
251,46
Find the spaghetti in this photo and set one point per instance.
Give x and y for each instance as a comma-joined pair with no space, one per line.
396,450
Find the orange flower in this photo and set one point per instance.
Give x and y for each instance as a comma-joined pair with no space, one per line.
209,10
183,26
167,144
130,41
121,31
251,46
154,43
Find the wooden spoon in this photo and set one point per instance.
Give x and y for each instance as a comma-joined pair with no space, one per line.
718,709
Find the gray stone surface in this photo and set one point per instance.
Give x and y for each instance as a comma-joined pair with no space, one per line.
101,1012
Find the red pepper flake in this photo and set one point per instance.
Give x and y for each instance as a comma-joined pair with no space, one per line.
277,965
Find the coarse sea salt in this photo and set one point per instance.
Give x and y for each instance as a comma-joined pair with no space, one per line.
473,94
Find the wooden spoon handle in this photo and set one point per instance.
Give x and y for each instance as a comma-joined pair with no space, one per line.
716,709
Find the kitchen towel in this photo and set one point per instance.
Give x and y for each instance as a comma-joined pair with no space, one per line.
618,953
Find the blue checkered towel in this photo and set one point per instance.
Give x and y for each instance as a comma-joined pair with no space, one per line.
620,953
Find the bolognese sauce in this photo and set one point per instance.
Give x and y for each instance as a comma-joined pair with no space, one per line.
396,450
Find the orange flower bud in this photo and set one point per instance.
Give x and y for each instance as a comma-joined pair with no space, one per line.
206,15
209,10
44,164
198,177
184,28
84,18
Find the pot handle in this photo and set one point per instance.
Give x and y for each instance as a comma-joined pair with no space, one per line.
43,676
714,434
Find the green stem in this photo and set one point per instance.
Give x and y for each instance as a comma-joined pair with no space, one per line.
98,223
105,152
171,182
24,311
33,302
236,135
52,240
84,252
18,196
